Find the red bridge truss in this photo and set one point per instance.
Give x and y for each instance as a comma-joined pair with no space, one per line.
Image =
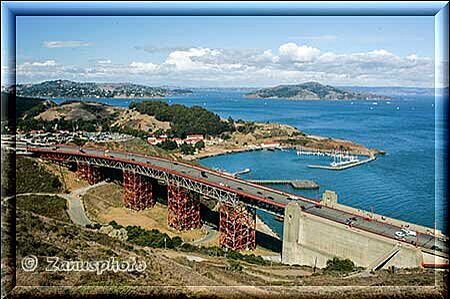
90,173
137,193
184,208
237,227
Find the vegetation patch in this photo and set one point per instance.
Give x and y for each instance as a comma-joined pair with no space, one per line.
32,177
185,120
337,265
48,206
150,238
221,252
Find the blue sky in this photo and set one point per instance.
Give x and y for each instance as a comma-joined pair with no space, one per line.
227,51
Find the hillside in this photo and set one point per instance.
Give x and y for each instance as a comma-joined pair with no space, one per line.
71,89
140,119
23,104
94,116
311,91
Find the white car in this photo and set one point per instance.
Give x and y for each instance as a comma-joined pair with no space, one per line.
409,233
399,234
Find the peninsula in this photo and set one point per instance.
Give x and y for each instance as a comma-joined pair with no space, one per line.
312,91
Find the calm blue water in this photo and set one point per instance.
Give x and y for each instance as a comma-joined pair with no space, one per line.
400,184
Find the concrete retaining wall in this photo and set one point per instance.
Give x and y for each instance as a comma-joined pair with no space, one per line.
312,240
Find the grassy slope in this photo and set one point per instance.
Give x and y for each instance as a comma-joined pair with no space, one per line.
33,177
48,206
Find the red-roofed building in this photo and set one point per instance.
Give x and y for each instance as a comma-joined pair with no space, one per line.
194,138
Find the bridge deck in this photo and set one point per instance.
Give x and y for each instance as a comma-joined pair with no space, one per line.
268,196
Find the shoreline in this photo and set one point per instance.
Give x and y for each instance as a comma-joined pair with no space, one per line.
366,152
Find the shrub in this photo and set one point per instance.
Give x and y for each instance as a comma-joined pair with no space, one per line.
115,225
199,145
168,145
339,265
234,266
187,149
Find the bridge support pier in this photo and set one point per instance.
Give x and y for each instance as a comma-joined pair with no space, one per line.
237,227
137,193
88,172
184,209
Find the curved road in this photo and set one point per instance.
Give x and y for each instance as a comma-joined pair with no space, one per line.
75,208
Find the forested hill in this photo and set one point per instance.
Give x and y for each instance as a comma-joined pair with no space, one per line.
312,91
185,120
71,89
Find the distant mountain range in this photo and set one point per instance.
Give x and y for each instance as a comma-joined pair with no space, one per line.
312,91
71,89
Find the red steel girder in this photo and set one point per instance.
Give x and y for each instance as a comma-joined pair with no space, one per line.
237,227
54,157
90,173
137,193
184,208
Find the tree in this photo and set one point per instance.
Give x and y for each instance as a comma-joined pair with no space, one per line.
187,149
199,145
168,144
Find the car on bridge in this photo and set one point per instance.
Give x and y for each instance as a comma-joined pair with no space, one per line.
400,235
409,233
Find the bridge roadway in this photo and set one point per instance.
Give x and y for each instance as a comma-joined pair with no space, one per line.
277,198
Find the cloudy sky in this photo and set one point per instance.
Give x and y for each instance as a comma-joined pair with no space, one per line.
227,51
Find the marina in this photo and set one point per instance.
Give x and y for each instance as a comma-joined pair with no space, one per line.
341,160
342,166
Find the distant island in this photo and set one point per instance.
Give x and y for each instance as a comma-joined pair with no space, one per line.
312,91
72,89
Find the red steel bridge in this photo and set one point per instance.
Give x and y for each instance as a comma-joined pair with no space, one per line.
238,199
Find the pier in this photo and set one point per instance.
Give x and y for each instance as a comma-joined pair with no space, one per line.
344,166
297,184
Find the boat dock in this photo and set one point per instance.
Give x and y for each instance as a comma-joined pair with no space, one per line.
345,166
297,184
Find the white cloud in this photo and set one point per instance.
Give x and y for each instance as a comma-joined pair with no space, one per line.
65,44
45,63
186,60
142,67
296,53
291,63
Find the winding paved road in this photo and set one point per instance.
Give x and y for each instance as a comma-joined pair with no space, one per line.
75,208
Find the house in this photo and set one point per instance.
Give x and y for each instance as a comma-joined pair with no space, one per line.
156,140
194,138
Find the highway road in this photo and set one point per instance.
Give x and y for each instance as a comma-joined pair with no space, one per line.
272,196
